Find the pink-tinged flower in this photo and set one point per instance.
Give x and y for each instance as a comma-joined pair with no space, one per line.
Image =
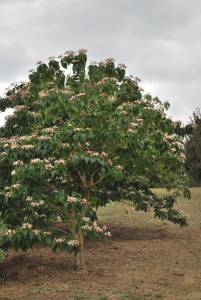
69,53
60,161
65,145
108,234
122,66
104,154
43,138
110,163
82,50
182,156
93,63
110,60
35,161
137,79
51,58
18,163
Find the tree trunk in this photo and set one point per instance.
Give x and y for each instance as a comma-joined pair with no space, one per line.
81,252
76,261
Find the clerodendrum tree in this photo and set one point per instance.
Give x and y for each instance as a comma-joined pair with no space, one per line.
80,136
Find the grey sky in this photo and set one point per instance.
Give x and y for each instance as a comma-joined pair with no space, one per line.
159,40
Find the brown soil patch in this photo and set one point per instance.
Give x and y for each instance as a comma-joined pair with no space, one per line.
159,263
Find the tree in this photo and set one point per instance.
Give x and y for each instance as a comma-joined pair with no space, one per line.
193,149
81,136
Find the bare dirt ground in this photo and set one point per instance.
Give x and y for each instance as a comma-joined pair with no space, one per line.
145,259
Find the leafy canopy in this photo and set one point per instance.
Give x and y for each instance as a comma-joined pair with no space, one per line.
81,136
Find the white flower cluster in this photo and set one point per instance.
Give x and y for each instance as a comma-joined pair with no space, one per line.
18,146
73,243
86,219
46,162
33,113
49,167
119,167
50,129
3,154
13,142
106,80
8,194
38,203
20,107
8,232
179,144
130,130
43,93
26,147
71,199
43,138
74,200
97,154
27,225
27,137
94,227
77,129
168,137
16,186
59,240
77,96
35,161
29,199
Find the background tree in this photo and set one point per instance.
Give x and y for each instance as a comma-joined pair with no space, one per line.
79,137
193,149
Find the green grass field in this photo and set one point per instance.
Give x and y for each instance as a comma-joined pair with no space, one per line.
145,259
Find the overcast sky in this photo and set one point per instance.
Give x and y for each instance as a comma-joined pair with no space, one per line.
159,41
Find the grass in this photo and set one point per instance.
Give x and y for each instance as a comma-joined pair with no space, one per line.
146,259
118,213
